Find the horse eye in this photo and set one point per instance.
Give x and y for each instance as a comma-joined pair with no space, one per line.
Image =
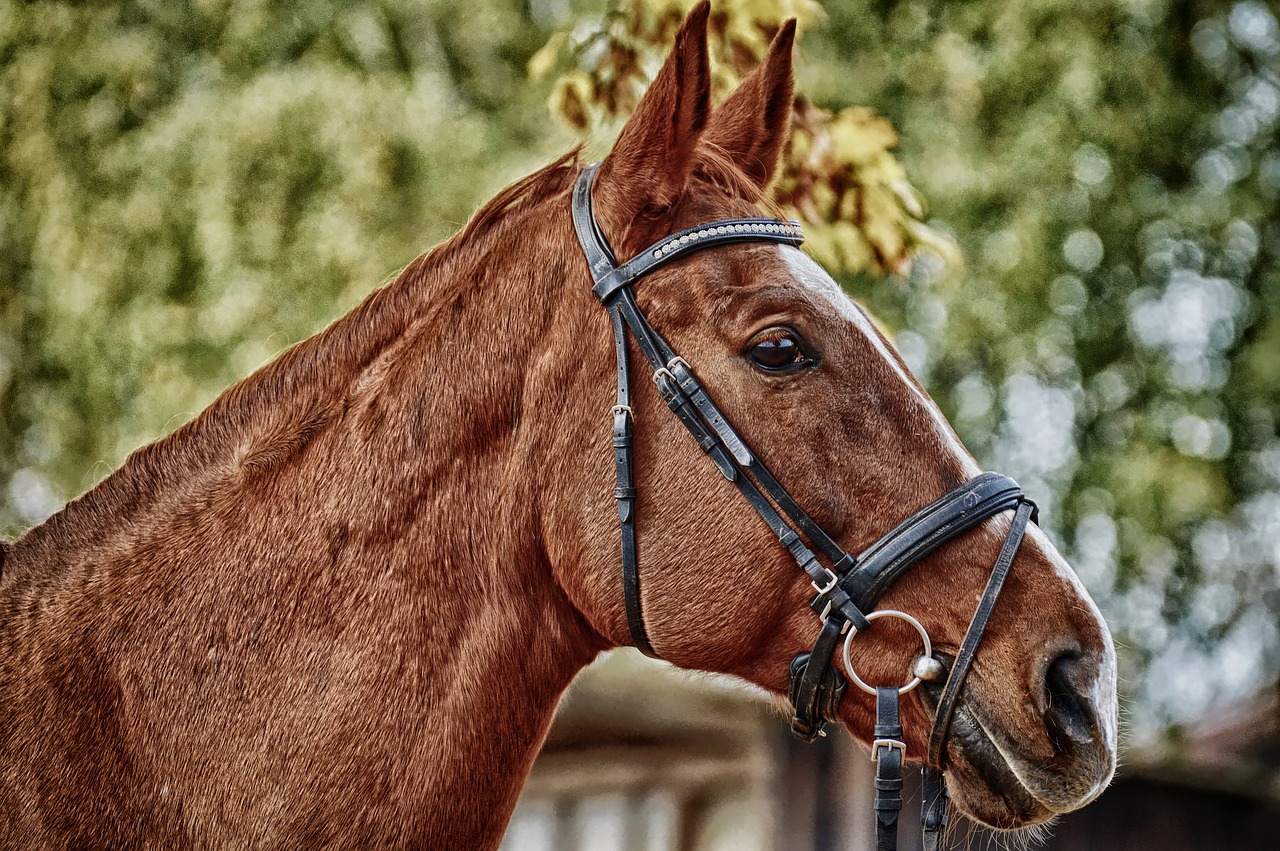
777,352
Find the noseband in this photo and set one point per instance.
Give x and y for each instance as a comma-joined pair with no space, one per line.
849,587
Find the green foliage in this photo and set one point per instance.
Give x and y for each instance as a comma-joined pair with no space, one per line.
187,188
838,176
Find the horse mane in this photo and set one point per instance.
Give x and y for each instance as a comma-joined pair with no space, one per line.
273,413
529,191
277,409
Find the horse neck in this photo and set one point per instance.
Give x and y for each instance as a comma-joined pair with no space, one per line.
385,473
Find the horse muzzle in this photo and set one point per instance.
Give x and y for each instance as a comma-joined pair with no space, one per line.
1053,757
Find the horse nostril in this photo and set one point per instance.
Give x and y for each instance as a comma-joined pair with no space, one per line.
1069,714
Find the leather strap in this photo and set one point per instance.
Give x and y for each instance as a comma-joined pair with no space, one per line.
625,494
816,686
847,589
683,394
888,751
933,807
973,636
746,459
594,246
927,530
693,239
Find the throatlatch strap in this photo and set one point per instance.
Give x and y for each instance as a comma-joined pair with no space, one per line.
888,751
625,493
973,636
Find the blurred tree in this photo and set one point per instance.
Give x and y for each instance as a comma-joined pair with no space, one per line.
186,188
839,176
1111,171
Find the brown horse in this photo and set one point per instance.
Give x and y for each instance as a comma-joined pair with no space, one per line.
339,606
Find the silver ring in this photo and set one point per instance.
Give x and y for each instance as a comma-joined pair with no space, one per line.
876,615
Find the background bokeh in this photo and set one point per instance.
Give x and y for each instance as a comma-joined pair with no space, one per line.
1072,235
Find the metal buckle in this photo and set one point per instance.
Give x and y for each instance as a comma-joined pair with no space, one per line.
661,371
678,360
892,744
618,409
835,580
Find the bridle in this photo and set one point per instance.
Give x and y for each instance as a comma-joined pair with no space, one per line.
849,586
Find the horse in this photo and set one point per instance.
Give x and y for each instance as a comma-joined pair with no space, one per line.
338,607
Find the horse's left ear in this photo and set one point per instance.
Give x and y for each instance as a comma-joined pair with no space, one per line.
646,172
753,123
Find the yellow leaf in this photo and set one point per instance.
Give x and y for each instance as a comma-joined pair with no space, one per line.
859,136
542,62
570,98
855,253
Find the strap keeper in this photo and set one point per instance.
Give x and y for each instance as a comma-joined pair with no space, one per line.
836,600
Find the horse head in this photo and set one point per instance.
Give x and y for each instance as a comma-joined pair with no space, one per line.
300,618
818,392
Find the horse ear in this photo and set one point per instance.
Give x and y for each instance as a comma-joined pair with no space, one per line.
646,172
753,124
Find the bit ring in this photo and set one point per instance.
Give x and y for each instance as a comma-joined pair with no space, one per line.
876,615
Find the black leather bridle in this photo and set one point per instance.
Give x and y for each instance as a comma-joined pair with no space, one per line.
849,586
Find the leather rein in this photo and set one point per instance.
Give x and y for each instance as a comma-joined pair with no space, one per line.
848,587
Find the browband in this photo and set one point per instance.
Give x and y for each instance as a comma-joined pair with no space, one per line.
609,278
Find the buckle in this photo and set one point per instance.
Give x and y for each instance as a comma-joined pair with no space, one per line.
620,409
892,744
835,580
826,612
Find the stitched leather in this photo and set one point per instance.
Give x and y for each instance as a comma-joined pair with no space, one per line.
925,531
816,687
687,241
693,407
933,807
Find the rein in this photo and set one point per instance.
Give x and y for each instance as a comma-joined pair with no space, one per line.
849,587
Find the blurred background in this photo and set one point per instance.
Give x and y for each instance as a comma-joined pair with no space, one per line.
1065,212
